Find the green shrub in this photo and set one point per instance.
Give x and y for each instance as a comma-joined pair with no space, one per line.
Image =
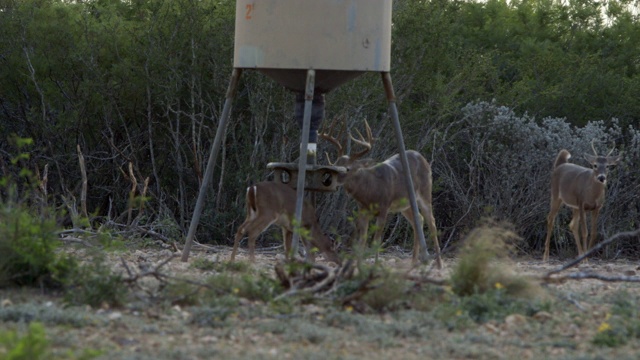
32,346
484,264
203,264
248,286
28,245
622,324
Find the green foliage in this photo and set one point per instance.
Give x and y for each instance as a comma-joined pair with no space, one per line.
483,264
203,264
494,304
32,346
28,244
622,324
142,82
249,286
388,291
486,287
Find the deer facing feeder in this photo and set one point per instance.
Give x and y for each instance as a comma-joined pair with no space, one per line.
582,189
380,188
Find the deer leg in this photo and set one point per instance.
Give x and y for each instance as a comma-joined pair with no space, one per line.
583,230
287,236
427,211
408,214
254,229
362,228
594,228
381,220
551,218
236,241
575,226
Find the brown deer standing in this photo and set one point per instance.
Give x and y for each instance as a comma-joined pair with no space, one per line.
380,187
581,189
275,203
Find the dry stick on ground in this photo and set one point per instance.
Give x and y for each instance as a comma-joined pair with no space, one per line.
144,193
83,173
132,193
628,234
75,240
311,283
42,185
154,271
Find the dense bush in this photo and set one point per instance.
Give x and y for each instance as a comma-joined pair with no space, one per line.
499,164
128,94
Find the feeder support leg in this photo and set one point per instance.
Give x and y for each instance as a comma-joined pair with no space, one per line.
302,161
213,156
393,110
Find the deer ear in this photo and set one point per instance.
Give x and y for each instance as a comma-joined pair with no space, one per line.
590,158
612,160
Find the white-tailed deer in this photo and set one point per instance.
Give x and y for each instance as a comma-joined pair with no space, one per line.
582,190
275,203
380,188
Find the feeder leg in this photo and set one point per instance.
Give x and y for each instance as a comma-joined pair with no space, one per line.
213,156
302,161
393,109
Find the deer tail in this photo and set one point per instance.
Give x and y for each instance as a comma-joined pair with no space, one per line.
252,191
562,158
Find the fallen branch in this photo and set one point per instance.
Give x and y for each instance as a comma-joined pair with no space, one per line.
75,240
576,261
153,271
588,275
315,279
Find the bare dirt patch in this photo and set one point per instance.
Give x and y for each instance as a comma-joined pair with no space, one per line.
153,329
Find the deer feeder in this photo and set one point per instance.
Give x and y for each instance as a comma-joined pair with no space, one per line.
310,47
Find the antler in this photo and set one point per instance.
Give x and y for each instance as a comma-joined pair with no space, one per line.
596,153
362,142
610,151
327,136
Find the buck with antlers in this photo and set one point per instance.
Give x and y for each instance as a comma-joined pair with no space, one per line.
275,203
581,189
380,187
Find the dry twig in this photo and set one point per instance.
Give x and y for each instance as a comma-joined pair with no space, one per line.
577,276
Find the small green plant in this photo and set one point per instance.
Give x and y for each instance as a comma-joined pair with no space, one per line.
388,292
622,324
28,245
484,263
610,336
246,286
203,264
483,285
31,346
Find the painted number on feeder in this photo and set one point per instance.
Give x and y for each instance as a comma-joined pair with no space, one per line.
248,15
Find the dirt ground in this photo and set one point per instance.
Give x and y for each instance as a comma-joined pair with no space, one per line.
143,330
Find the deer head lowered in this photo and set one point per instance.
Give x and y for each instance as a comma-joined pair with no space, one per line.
581,189
380,187
275,203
